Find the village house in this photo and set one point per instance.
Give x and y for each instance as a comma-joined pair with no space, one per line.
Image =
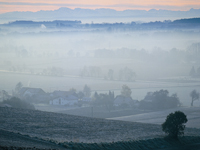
86,99
69,100
30,92
59,93
34,95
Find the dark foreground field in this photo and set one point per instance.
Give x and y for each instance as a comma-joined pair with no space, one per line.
43,130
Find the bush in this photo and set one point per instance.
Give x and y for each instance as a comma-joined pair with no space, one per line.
18,103
173,124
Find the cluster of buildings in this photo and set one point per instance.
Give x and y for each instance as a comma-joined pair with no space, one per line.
37,95
66,98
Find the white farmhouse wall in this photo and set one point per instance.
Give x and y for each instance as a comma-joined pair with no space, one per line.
63,101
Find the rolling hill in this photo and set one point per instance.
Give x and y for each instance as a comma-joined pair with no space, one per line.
69,130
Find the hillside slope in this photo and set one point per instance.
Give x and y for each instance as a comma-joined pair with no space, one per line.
10,139
31,128
62,127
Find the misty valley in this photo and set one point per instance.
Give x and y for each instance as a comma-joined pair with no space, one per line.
113,82
61,55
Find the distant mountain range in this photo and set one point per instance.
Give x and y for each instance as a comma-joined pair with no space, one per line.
64,13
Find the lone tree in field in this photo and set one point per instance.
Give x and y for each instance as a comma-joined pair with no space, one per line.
194,95
174,124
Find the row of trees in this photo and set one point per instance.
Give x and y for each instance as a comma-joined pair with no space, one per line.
91,71
125,74
152,101
190,54
106,100
53,71
86,92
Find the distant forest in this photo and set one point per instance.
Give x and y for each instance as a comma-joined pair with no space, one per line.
167,24
191,56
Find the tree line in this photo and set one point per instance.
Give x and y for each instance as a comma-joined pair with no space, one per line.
124,74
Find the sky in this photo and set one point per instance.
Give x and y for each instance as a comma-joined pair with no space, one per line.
120,5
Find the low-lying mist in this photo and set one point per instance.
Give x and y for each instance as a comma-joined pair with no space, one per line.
95,52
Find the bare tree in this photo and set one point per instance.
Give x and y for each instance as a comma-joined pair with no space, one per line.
194,95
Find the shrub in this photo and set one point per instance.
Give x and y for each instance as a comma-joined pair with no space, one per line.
18,103
159,100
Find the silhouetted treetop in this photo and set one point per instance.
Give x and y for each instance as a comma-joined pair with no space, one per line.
174,124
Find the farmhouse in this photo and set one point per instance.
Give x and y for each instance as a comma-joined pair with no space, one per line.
69,100
86,99
30,92
59,93
35,95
